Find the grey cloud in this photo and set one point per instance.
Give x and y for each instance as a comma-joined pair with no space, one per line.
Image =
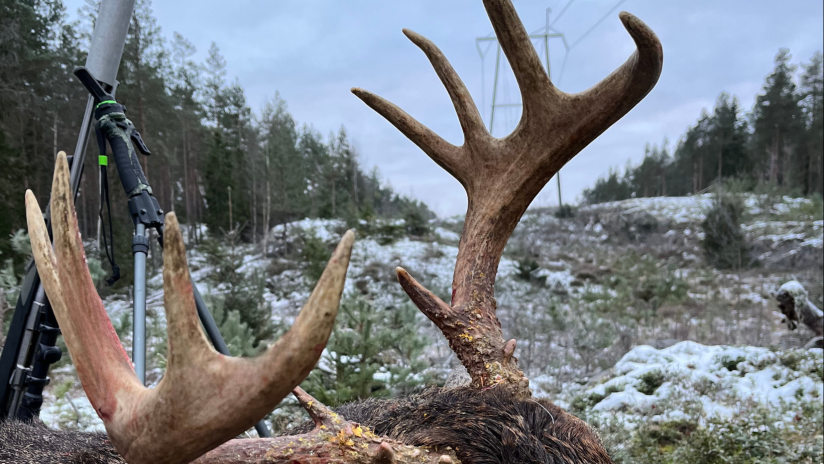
313,51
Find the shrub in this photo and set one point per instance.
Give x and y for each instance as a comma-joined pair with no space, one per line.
315,255
416,223
754,438
650,382
564,211
525,267
724,243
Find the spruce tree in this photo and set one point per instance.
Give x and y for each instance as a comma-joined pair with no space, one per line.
812,94
373,352
725,245
777,120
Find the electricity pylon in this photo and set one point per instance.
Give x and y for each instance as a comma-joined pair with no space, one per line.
542,35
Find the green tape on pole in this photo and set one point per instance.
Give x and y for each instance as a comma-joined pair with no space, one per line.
103,160
104,102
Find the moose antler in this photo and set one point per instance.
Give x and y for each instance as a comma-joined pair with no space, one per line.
502,176
204,398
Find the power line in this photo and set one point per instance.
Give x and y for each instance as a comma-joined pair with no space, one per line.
561,13
597,24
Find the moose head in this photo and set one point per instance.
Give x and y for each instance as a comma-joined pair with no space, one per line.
205,399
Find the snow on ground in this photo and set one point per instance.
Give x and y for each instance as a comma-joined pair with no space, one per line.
693,209
720,380
689,380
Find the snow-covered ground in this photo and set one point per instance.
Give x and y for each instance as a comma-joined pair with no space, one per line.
689,379
579,266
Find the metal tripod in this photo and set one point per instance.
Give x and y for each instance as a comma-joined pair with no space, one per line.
30,346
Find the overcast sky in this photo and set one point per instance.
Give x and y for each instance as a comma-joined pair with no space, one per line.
313,51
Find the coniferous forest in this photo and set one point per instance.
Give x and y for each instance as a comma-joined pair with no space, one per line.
214,161
655,320
777,146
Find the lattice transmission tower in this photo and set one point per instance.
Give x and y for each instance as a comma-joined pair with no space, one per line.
542,36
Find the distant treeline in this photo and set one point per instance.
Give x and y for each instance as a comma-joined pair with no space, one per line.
212,157
778,146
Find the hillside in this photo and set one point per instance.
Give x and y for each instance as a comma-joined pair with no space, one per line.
598,303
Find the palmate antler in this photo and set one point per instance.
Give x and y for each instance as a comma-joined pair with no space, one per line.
503,176
204,398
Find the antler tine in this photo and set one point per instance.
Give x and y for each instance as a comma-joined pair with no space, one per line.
96,352
453,159
205,398
503,176
442,152
529,72
468,115
611,98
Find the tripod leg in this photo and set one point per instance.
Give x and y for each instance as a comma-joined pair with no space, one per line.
140,247
213,333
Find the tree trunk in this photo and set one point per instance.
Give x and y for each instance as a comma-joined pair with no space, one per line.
266,212
253,208
231,221
333,198
355,181
663,182
54,152
186,186
694,177
774,158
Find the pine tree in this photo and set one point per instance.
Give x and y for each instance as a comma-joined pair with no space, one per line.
812,94
777,119
239,338
241,292
283,169
215,82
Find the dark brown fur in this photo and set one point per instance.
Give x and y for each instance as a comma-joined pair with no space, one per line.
35,443
483,427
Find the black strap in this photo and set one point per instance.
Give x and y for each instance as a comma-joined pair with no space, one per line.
108,245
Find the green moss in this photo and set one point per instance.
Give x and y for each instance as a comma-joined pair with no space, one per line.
752,438
650,382
731,364
791,359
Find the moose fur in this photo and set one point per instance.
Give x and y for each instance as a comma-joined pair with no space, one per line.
35,443
489,427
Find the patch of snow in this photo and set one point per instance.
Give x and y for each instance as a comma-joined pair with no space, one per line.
648,382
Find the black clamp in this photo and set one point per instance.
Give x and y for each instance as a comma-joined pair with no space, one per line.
140,244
